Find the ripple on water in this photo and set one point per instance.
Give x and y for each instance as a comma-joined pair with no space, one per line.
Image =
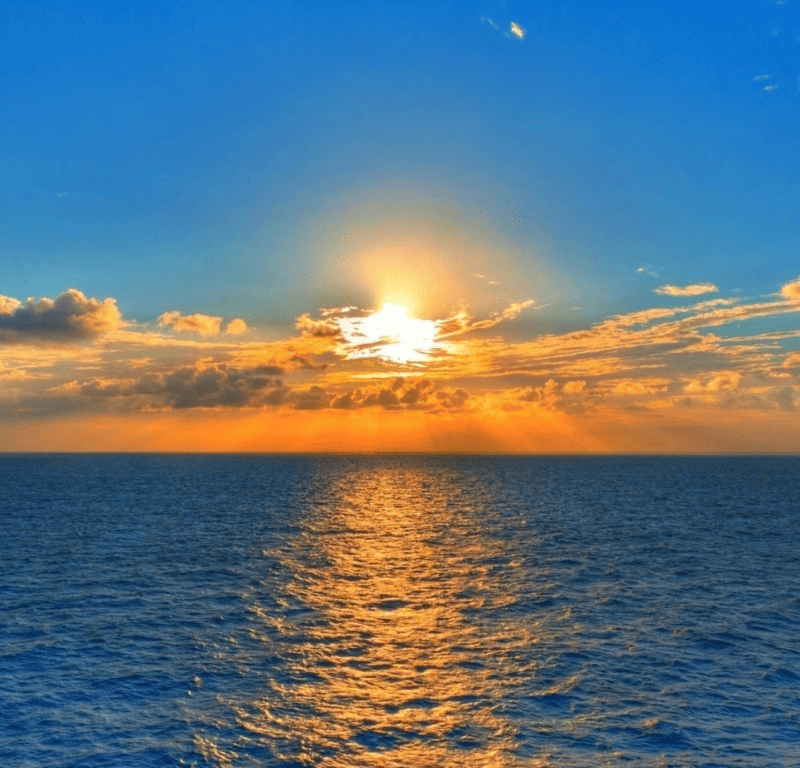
397,611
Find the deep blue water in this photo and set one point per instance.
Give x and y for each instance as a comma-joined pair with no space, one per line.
399,611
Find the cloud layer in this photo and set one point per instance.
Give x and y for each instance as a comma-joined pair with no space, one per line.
726,354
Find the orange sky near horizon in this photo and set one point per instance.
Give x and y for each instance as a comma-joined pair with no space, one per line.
704,432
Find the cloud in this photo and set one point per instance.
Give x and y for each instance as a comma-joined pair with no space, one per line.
385,398
571,397
462,322
392,335
312,399
697,289
8,305
784,398
656,359
792,290
514,29
236,327
214,385
327,327
638,387
650,358
452,399
68,319
792,361
305,361
205,325
647,359
190,386
18,374
403,394
723,381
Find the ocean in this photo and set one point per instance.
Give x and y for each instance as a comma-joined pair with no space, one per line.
409,611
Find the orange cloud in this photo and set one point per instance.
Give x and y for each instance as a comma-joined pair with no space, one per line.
792,290
236,327
205,325
462,322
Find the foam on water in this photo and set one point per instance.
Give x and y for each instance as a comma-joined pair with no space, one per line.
399,611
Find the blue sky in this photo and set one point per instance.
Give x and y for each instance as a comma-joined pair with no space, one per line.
240,159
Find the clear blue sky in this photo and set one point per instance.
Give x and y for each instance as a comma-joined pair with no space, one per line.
177,156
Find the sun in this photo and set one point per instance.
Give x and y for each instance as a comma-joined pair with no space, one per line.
394,321
391,334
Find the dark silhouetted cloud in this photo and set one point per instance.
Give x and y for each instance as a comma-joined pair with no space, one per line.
68,319
195,386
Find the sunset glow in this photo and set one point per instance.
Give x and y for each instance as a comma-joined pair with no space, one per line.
387,385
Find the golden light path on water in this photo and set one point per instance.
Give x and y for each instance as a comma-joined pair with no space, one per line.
384,632
438,612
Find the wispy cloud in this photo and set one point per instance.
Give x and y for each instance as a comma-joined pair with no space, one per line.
514,29
696,289
462,322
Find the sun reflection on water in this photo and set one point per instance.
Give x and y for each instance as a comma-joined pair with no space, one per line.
390,655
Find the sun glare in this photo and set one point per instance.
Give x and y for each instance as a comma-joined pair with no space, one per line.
391,334
393,321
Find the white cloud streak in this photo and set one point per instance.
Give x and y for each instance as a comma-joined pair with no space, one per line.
697,289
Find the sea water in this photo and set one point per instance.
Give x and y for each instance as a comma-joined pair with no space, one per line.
399,611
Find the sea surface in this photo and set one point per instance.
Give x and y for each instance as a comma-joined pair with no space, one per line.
408,611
